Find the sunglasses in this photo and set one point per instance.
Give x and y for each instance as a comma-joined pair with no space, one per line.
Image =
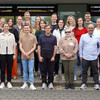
67,31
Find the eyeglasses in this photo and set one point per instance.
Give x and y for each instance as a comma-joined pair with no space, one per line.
67,31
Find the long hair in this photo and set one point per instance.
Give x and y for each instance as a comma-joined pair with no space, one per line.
39,30
58,25
76,27
12,22
21,23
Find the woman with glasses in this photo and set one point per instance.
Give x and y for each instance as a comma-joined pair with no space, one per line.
78,31
68,47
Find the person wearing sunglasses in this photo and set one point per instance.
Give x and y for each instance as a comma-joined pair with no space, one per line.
68,47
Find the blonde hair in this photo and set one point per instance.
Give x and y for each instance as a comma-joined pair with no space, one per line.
67,21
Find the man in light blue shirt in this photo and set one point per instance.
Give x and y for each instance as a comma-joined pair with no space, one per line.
88,55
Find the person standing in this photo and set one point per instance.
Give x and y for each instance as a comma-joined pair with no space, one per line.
27,46
47,47
68,47
7,51
88,55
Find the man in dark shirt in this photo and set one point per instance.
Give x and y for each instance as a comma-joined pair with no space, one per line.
54,22
47,47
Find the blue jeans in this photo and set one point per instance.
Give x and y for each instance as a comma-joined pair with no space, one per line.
76,64
28,65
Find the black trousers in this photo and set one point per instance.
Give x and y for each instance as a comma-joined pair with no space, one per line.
47,66
56,67
85,65
6,59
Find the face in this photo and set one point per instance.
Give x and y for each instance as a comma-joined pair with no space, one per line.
10,22
2,22
87,17
19,20
60,23
6,27
26,29
27,16
80,21
42,24
70,20
37,20
98,22
54,18
90,29
48,29
68,32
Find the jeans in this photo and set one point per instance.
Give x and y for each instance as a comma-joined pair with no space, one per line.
76,64
28,66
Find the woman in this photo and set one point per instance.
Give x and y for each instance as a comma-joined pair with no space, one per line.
58,33
7,51
70,23
37,21
27,22
97,33
15,33
2,21
68,47
78,31
38,33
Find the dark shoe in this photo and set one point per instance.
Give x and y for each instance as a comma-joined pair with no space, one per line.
80,75
72,86
67,86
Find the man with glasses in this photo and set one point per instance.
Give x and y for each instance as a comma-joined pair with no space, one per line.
88,55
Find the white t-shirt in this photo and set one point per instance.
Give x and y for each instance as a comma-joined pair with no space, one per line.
96,32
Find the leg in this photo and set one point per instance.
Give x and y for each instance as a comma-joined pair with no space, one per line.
85,64
66,72
31,67
95,71
25,70
9,67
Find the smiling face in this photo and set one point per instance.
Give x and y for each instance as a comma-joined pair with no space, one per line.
42,24
90,29
68,32
54,18
10,22
19,19
98,22
6,27
80,22
87,17
26,29
61,24
48,29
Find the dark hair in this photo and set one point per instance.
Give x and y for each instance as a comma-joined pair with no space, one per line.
12,21
54,14
76,27
39,30
88,13
58,25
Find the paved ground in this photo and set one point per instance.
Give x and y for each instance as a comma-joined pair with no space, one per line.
56,94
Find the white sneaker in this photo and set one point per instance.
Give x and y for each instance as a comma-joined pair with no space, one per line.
96,86
9,85
50,86
83,86
75,78
32,87
44,86
55,77
2,85
63,78
24,86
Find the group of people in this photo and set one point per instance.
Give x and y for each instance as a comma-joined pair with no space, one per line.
42,46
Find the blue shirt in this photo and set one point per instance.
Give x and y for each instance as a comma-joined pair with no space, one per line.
47,42
88,47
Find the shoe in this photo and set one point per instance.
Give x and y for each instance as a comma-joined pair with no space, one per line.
67,86
55,77
14,78
9,85
24,86
83,86
36,74
50,86
96,86
2,85
75,78
80,75
32,87
44,86
63,78
72,86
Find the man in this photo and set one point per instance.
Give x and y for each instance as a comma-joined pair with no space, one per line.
47,47
54,22
88,54
27,17
88,20
27,47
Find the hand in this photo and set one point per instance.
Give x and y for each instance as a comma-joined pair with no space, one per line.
41,59
14,56
36,51
81,58
70,55
52,59
67,55
26,55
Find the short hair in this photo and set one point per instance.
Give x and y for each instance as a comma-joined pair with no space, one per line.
2,19
27,12
54,14
26,25
47,26
88,13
